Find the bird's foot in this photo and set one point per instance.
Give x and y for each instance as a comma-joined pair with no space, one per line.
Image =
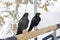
25,31
36,29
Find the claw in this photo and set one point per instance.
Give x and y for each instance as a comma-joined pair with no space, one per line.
25,31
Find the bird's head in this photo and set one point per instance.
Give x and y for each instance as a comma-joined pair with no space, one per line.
37,14
26,14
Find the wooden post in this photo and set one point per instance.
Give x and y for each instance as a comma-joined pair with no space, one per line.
54,35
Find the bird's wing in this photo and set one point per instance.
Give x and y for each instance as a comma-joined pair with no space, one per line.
31,25
23,24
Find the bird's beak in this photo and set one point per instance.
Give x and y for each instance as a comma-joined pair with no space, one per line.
40,14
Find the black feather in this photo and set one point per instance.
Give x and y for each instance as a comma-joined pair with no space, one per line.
35,21
23,24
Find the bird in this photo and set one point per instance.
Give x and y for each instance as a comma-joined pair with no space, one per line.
23,24
35,21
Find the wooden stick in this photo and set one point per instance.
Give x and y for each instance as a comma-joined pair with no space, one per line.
36,33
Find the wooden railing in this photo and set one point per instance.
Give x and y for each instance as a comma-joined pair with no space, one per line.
36,33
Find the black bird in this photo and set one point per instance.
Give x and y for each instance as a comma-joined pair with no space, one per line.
35,21
23,24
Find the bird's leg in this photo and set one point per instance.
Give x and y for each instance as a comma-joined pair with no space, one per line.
35,28
25,31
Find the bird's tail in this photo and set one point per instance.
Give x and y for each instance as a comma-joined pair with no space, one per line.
30,28
19,32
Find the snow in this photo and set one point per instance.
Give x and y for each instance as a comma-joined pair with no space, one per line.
51,17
